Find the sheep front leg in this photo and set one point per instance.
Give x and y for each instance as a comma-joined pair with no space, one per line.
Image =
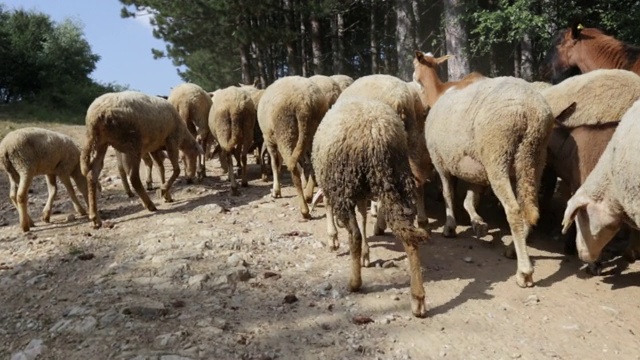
158,159
332,231
265,158
53,191
447,192
418,306
480,227
243,159
355,247
173,154
21,199
148,167
94,168
297,182
362,225
66,181
123,174
381,221
308,189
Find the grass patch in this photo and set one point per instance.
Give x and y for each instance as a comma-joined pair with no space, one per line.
18,115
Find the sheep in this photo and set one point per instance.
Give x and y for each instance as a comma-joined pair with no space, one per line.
405,100
609,196
288,114
541,85
601,96
359,151
31,151
232,120
343,81
258,140
329,87
148,162
480,132
133,123
193,105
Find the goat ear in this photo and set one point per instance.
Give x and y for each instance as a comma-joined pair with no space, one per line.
575,203
442,59
419,55
566,113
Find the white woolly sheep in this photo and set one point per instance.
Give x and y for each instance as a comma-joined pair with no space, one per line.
329,87
343,81
601,96
133,123
481,133
232,120
193,105
28,152
609,196
360,151
289,113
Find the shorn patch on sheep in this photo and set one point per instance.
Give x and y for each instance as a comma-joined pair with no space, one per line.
28,152
360,152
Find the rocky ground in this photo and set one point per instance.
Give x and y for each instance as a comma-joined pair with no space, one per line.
212,276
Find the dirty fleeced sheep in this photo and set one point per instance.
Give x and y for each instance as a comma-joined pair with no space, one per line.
289,113
133,123
609,196
360,152
481,133
232,120
193,105
28,152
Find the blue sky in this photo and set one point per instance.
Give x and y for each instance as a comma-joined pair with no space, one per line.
124,45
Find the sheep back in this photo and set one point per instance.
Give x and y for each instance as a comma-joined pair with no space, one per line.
405,100
289,113
329,87
343,81
193,105
232,118
601,96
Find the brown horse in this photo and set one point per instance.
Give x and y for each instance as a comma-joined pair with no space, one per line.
579,50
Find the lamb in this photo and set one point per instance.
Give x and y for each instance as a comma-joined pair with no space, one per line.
359,151
329,87
601,96
608,197
484,150
31,151
343,81
232,120
133,123
193,105
289,113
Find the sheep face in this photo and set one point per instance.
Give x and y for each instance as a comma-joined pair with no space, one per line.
596,224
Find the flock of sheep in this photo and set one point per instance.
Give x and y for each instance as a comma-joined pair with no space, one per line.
377,140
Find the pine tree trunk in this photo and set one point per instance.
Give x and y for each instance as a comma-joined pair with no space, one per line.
456,39
316,44
374,39
526,58
338,43
292,61
304,54
404,39
245,65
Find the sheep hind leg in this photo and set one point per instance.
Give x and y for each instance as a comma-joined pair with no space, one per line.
478,224
632,252
362,225
297,182
332,230
66,181
243,159
53,191
276,163
21,200
423,220
123,175
381,221
418,306
449,229
133,162
95,166
158,159
173,155
148,167
519,229
232,173
355,247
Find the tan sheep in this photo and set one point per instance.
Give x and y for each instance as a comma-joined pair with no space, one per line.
359,152
329,87
601,96
343,81
481,133
289,113
193,105
28,152
134,124
609,196
232,120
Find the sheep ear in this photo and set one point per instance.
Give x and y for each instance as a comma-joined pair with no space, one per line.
574,204
566,113
442,59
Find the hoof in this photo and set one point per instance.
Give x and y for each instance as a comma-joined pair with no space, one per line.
235,192
510,251
25,228
355,285
418,306
365,260
130,195
97,224
306,216
524,280
150,187
189,181
333,243
449,232
594,268
276,194
46,218
480,228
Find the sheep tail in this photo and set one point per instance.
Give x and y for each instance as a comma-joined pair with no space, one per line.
298,150
7,165
528,168
400,214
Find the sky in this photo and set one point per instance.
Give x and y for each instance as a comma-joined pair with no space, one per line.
124,45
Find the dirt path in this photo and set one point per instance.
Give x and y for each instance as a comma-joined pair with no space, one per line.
212,276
